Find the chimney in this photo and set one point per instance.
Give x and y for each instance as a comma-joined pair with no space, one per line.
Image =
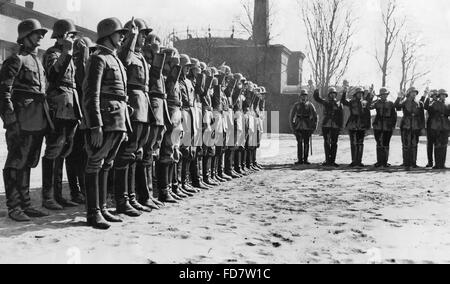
29,4
261,22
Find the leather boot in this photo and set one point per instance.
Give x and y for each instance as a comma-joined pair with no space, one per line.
163,184
144,186
94,218
174,183
327,150
207,172
48,200
380,157
103,198
237,161
75,179
430,152
132,189
57,183
386,157
123,205
184,177
360,154
195,174
24,192
306,153
406,157
334,149
10,179
200,172
354,153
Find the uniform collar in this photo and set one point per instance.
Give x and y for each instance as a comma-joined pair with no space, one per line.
27,51
106,49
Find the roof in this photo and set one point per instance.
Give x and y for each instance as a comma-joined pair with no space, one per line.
21,13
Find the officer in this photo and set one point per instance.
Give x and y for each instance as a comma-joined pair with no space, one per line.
383,126
25,116
106,117
170,147
65,111
76,161
331,125
187,110
439,124
146,172
131,151
431,134
358,123
412,123
303,120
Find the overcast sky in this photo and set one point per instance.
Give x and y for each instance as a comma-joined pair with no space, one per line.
429,18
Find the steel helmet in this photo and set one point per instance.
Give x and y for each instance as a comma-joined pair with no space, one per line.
263,90
442,92
384,91
108,27
238,77
185,60
412,90
358,90
225,69
141,24
203,66
28,26
332,90
63,27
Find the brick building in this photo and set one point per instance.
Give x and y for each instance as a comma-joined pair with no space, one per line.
10,16
271,65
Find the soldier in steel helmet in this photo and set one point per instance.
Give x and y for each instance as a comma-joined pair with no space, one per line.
76,161
65,111
413,122
439,124
24,111
107,119
131,151
303,119
383,126
358,123
332,124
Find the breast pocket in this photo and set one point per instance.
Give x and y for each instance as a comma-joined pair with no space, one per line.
136,72
112,73
29,76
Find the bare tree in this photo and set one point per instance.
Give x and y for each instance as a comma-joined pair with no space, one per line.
410,62
330,30
392,28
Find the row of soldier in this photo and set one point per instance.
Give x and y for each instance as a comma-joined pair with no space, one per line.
124,113
304,120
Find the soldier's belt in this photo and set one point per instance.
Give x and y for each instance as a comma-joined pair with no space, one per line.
207,108
114,97
21,95
158,95
67,85
173,103
136,87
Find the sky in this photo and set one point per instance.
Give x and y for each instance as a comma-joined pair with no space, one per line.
428,19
